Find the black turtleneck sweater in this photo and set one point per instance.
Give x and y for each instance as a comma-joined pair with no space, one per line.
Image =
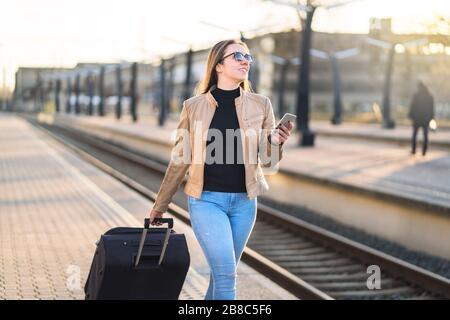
223,176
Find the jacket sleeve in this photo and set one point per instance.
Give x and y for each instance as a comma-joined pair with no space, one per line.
176,169
266,146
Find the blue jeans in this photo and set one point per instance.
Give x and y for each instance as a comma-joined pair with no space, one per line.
222,223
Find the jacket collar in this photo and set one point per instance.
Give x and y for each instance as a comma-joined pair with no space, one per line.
213,102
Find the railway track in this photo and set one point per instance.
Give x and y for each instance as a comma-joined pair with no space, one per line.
307,260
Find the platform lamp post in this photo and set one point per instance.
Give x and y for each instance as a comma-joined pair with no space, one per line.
69,95
57,93
285,63
119,89
303,89
162,87
77,93
133,91
101,92
388,122
42,95
334,56
90,92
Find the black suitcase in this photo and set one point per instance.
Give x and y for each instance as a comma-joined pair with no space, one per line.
131,263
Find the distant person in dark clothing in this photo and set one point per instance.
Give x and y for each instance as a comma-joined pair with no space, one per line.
421,112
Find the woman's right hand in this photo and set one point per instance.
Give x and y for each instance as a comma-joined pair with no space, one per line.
155,214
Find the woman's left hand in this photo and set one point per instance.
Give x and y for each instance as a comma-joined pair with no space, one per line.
281,133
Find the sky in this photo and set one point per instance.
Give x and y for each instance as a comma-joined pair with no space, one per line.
60,33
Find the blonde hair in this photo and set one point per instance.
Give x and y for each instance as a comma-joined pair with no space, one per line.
215,55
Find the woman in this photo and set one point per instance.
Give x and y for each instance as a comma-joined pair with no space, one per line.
421,112
223,121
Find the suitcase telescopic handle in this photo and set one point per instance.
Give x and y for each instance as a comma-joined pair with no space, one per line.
169,221
163,220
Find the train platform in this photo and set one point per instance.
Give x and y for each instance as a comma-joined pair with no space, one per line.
358,164
53,208
401,134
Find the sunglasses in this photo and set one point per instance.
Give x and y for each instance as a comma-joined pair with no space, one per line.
239,56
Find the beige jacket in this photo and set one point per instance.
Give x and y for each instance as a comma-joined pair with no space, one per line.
256,120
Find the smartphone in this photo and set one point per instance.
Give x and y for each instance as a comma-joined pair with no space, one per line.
286,118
